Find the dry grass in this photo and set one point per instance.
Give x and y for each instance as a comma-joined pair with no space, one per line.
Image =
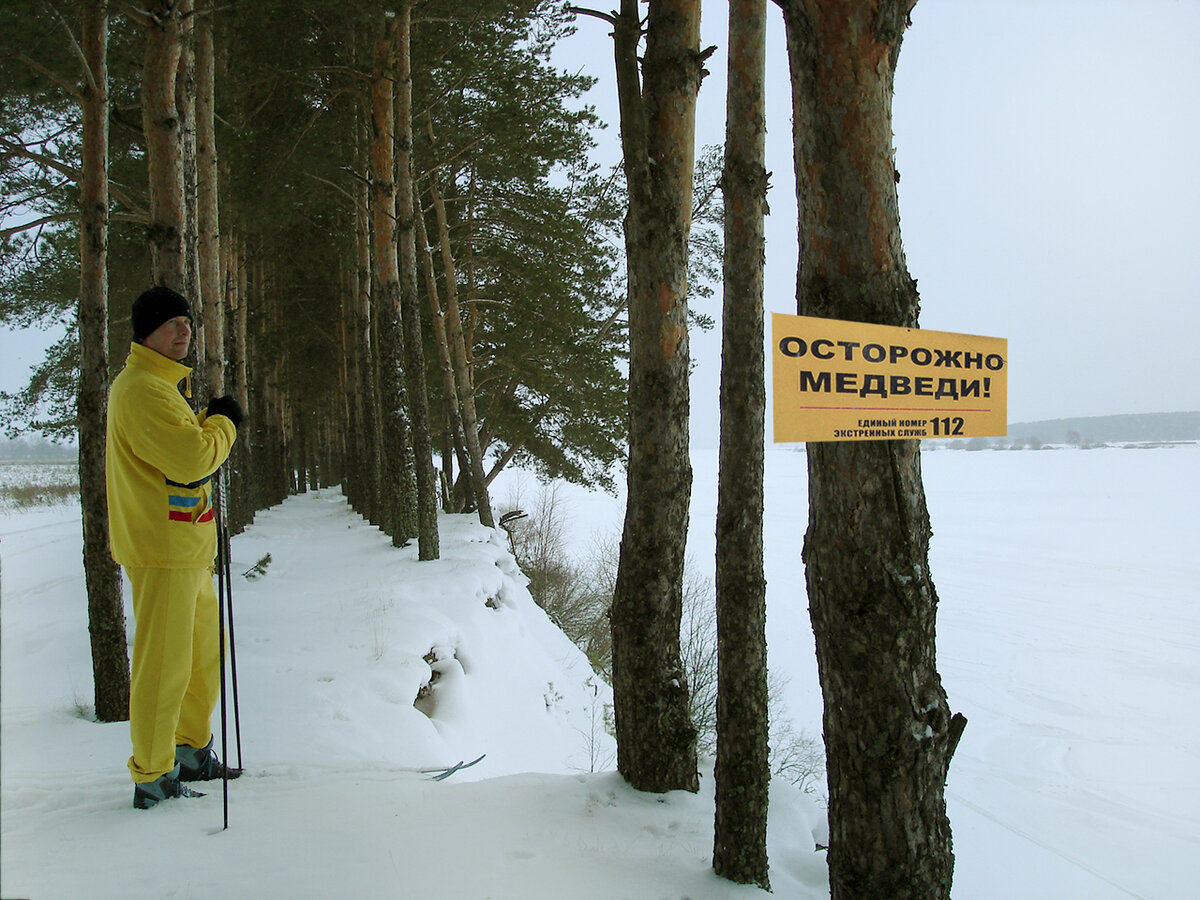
29,485
29,495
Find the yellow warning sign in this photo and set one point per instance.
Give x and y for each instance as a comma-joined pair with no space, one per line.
850,381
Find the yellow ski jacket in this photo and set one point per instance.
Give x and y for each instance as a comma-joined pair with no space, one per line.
160,460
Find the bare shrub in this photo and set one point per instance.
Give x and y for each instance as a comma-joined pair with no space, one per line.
557,584
577,597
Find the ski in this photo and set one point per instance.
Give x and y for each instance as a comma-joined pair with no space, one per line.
444,772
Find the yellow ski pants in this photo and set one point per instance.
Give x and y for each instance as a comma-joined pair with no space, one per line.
175,681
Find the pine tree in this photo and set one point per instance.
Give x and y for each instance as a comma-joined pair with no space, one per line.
162,126
742,769
209,293
656,740
888,730
400,516
526,218
410,307
106,611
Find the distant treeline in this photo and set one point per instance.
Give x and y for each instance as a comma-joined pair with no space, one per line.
36,449
1132,428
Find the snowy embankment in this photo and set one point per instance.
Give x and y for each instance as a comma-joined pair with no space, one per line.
357,667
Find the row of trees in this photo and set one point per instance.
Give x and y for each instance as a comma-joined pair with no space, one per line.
384,215
303,209
889,733
297,244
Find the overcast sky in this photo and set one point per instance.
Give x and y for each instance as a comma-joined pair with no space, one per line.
1049,153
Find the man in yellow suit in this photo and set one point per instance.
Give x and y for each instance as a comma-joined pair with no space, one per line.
160,462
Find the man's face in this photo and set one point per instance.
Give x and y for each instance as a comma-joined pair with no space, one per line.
171,338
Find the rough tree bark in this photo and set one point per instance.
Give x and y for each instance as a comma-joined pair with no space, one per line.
242,493
207,211
164,144
185,103
888,728
459,356
399,518
414,353
369,464
106,612
351,410
656,740
455,447
743,772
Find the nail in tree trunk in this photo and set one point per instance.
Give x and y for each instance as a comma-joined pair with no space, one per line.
743,772
656,740
106,613
887,723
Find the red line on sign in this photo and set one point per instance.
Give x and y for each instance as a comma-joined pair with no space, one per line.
940,409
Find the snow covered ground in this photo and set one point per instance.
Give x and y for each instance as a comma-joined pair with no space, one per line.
1068,634
1070,637
334,644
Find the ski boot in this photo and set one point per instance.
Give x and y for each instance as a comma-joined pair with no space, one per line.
166,787
201,764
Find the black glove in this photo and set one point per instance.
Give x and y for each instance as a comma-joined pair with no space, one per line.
228,407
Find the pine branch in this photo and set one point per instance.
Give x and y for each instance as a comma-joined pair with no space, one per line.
610,18
6,233
67,86
83,62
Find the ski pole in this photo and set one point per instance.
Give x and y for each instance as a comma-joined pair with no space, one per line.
237,719
222,568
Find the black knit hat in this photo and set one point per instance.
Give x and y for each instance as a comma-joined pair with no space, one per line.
155,306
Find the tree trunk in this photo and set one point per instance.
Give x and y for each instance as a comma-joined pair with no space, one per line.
368,427
347,384
296,461
238,350
185,103
414,352
164,145
208,220
400,518
237,383
279,431
872,599
106,613
452,413
460,356
377,435
656,740
743,772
